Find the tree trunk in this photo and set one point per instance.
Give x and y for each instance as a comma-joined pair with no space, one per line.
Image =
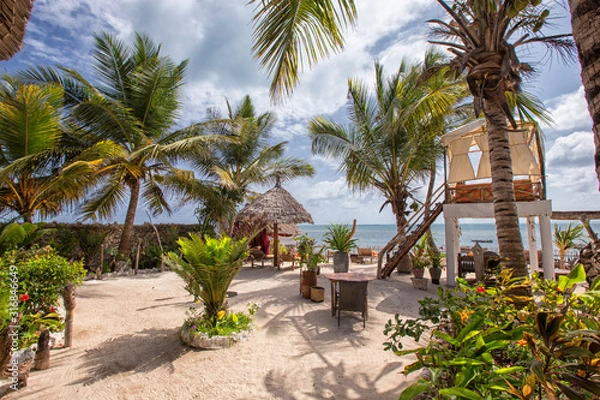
398,208
585,18
42,354
69,302
510,244
125,243
427,208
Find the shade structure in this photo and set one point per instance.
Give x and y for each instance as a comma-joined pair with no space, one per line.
277,206
14,15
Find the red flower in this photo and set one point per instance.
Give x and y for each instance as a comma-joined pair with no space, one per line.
24,297
480,289
52,309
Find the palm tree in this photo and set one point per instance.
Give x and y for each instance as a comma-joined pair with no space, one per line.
234,166
391,142
564,239
36,176
292,33
129,114
484,36
585,18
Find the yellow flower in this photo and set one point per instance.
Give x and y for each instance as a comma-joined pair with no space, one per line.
220,315
464,315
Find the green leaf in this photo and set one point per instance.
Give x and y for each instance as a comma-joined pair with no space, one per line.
590,386
460,392
508,370
577,275
467,331
464,361
415,389
595,284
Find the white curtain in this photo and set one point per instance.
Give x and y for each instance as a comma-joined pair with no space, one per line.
523,161
484,170
461,168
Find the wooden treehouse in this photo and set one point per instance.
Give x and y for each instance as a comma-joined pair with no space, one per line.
469,188
467,193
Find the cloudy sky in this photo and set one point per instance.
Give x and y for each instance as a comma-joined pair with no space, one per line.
215,36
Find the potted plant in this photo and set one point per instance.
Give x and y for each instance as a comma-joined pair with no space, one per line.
208,266
419,258
310,257
435,262
339,238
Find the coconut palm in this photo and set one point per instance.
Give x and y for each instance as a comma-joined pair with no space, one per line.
37,176
565,239
234,167
484,36
293,33
390,145
585,18
130,113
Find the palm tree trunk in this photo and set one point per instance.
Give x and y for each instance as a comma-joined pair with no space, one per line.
398,208
427,208
585,18
125,243
510,244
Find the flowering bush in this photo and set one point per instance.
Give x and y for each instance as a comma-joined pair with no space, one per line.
483,347
225,323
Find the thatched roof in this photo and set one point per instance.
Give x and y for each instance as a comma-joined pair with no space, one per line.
14,15
285,229
278,206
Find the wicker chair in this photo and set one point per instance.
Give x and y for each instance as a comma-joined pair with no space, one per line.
351,296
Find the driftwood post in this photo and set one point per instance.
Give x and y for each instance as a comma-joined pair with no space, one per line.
69,302
137,256
99,268
478,262
42,354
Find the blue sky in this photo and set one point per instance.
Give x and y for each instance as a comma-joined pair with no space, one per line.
215,36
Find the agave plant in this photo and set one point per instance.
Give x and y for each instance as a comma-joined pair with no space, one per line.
339,237
208,266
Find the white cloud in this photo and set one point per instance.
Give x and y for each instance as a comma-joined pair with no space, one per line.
570,111
576,149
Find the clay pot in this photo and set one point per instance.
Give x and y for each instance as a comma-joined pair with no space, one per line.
308,279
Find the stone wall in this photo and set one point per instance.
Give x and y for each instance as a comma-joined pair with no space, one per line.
83,241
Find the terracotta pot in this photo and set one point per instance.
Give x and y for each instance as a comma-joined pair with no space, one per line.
308,279
418,272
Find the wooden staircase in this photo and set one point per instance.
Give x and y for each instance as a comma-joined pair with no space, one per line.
417,224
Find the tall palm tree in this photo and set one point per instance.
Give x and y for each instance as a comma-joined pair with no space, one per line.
391,144
37,173
130,113
235,166
585,19
484,36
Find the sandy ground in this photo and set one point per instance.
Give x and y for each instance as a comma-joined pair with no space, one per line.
126,344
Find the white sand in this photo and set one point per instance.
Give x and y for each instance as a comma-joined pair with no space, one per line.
126,345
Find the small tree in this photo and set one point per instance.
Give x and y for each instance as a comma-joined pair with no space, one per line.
208,266
564,239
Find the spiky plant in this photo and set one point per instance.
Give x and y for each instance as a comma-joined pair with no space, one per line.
208,266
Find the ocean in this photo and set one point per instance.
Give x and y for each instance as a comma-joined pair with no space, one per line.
377,236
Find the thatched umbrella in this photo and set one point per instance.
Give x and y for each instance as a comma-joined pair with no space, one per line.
277,206
14,15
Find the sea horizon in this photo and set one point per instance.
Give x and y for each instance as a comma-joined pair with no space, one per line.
378,235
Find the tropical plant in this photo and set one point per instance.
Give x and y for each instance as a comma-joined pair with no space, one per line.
291,34
234,166
565,239
585,17
36,176
339,237
419,256
15,236
310,254
482,347
129,115
208,266
392,143
485,36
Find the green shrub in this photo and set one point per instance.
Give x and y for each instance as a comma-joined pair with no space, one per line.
483,347
225,324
